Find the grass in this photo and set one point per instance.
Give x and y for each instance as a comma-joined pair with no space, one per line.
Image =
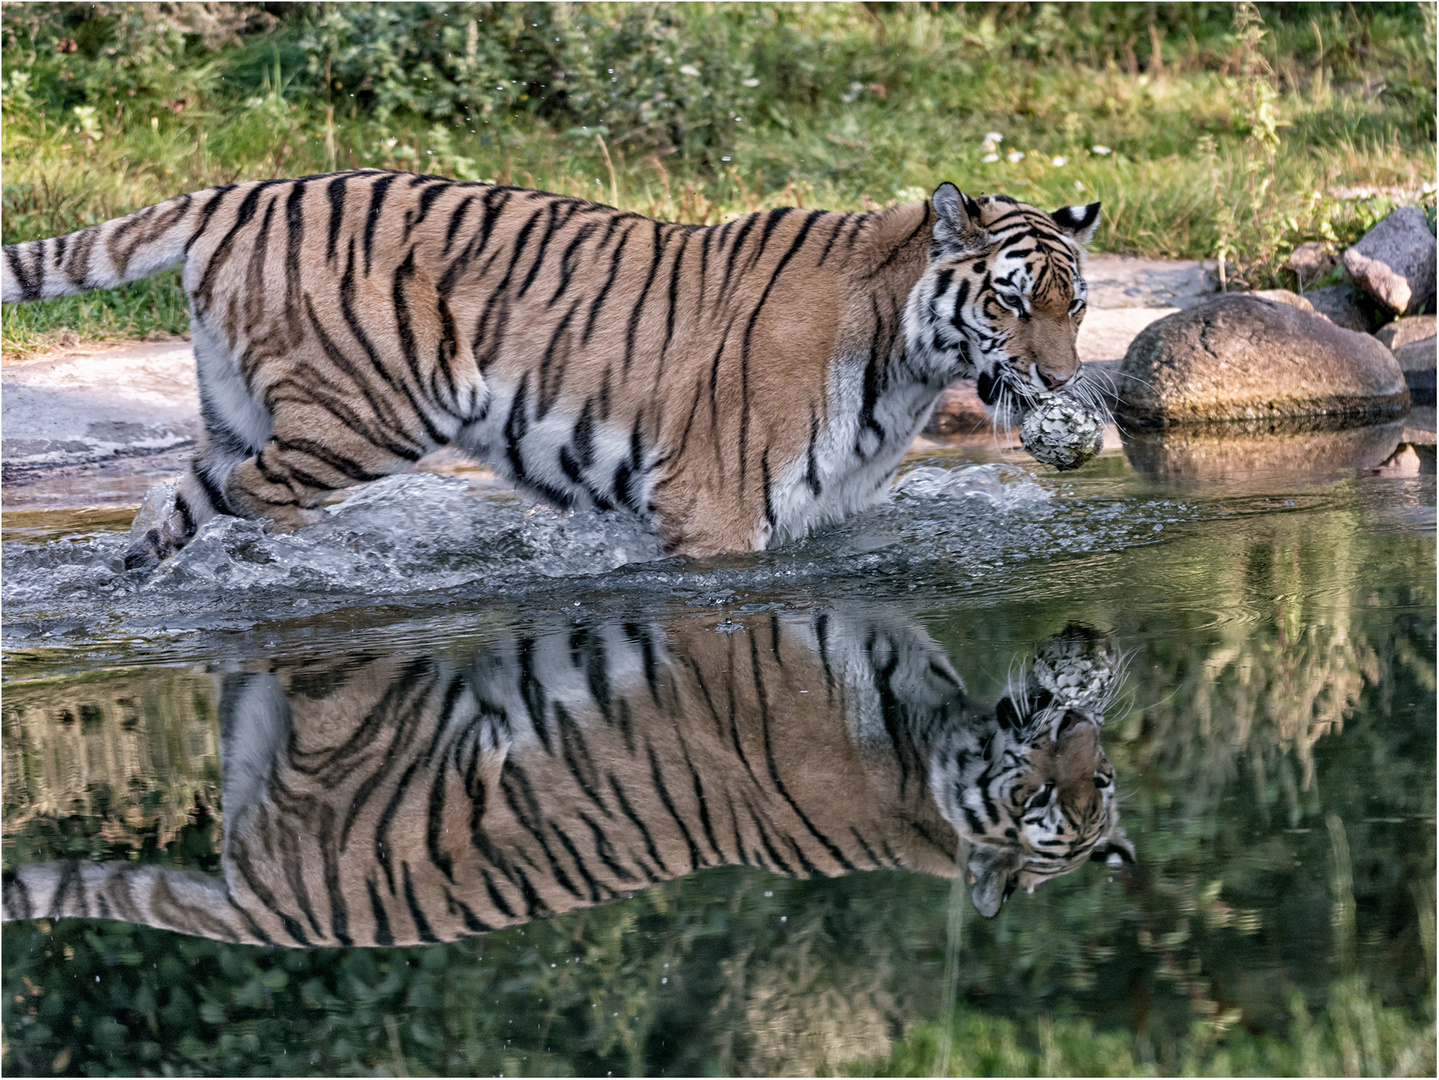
1189,159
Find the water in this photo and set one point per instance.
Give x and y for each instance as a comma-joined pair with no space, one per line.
691,818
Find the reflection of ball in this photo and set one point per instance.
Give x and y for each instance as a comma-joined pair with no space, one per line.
1061,432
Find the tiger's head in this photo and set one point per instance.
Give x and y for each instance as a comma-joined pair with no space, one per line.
1002,298
1030,789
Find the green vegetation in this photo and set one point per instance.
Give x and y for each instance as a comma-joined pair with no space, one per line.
1207,130
1355,1035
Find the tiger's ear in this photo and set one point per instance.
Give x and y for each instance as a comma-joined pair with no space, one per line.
993,876
1079,222
958,222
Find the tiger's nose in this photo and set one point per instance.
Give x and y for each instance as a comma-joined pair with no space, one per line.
1051,382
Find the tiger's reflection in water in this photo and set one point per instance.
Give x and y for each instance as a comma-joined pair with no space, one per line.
396,800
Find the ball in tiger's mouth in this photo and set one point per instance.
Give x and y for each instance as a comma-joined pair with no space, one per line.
1060,431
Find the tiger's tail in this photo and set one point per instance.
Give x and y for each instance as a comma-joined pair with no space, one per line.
185,901
107,255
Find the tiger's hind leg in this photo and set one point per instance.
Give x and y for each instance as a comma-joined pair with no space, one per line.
318,445
237,424
307,452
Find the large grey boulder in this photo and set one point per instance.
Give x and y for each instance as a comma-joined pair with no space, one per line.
1241,357
1394,262
1344,305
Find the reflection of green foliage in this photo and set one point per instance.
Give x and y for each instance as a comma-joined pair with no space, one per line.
641,985
1354,1035
107,775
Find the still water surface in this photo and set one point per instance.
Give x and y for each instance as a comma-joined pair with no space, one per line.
451,785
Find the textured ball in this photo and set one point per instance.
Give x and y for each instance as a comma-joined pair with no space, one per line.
1080,667
1061,432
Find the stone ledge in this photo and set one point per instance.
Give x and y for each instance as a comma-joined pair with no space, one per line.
92,408
1126,281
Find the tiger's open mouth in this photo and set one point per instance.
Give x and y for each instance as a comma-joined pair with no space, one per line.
1070,720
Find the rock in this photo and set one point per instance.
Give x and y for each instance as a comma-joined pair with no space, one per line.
1394,262
1406,331
1309,260
1203,453
1417,356
1412,341
1345,306
1417,362
1294,300
1239,357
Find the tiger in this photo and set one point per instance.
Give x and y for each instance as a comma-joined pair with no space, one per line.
1034,774
734,385
408,799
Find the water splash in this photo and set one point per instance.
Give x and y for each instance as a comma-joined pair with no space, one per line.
411,533
419,538
1005,487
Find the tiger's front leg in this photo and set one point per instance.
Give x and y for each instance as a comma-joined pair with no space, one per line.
698,522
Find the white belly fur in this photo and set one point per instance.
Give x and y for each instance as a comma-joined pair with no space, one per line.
849,479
